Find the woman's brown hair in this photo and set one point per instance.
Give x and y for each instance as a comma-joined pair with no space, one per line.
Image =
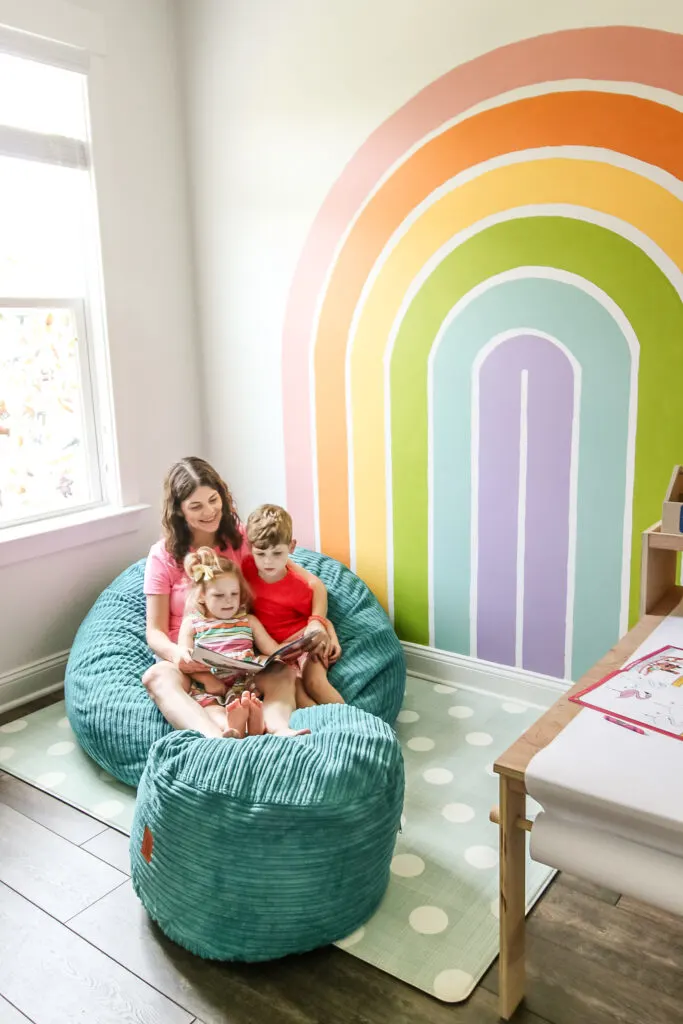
182,479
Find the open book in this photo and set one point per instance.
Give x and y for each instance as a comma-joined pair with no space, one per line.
647,692
223,663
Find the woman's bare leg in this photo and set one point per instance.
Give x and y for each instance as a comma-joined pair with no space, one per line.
168,688
278,686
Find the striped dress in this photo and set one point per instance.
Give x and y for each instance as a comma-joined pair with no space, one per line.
226,636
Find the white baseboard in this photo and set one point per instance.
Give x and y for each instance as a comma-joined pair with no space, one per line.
485,676
30,681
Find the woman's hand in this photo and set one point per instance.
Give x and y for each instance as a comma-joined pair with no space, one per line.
182,659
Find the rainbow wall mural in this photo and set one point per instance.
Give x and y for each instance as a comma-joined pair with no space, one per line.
483,349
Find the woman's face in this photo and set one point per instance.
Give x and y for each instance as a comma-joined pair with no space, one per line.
203,510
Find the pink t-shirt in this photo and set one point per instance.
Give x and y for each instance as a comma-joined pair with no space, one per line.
163,575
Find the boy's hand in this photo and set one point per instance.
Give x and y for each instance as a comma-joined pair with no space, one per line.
319,649
334,647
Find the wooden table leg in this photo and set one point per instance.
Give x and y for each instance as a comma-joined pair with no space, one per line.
512,896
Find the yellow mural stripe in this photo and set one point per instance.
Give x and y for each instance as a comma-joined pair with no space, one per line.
612,190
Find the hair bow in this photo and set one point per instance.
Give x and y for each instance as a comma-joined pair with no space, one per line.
202,573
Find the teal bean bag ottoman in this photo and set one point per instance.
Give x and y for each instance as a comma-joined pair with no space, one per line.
257,848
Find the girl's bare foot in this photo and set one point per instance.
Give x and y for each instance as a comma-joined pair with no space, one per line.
256,724
237,714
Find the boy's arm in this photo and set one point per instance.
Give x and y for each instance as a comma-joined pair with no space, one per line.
317,586
264,640
319,607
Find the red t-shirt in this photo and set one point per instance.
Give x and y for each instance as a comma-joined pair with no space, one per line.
284,607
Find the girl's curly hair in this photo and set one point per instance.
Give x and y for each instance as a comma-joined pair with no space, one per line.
202,567
182,479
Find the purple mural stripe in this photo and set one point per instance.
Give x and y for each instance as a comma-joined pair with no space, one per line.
546,532
549,418
498,461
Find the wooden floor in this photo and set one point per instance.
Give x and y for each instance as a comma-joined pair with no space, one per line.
75,945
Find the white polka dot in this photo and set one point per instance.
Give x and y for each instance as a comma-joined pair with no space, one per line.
6,753
514,709
494,907
460,711
453,986
438,776
421,743
108,809
64,723
106,777
444,688
458,813
50,779
481,857
351,939
428,920
479,739
408,716
16,726
403,821
489,771
407,865
59,749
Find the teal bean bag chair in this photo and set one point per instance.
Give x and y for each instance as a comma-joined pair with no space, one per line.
257,848
115,721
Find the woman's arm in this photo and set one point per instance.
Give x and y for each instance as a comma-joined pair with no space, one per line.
158,620
264,640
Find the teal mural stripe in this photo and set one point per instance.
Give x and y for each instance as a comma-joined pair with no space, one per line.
577,320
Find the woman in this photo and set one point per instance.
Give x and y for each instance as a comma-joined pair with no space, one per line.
198,510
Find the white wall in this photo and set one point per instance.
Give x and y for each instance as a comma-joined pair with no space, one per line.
140,177
279,95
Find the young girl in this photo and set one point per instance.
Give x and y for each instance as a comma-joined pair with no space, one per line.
216,615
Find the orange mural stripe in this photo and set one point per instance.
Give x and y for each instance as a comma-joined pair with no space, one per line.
637,127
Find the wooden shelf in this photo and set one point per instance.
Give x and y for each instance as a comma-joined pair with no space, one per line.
663,541
658,566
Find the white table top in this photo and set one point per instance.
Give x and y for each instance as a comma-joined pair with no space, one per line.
620,780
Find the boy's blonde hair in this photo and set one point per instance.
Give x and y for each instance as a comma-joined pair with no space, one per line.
268,526
203,566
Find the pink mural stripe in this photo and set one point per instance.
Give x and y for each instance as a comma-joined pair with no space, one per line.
530,439
627,54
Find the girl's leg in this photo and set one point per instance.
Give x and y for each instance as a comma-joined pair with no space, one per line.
317,685
168,688
278,686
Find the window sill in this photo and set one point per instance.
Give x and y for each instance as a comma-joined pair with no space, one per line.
46,537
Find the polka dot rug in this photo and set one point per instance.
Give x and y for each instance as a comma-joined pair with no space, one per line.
437,927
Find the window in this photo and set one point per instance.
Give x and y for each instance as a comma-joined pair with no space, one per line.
55,421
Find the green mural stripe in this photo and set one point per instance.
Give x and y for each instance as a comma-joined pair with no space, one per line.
616,266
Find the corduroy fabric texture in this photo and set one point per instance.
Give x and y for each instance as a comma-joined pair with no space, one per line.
262,847
115,721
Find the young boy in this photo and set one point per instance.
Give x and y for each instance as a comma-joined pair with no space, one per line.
282,599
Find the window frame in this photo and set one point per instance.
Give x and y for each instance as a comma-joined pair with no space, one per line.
89,309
